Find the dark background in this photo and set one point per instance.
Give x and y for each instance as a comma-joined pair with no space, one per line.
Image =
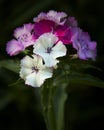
20,107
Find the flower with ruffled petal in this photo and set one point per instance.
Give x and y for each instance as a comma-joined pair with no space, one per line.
84,46
24,35
49,48
14,47
33,71
57,17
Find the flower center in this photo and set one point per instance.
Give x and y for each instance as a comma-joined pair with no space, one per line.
35,69
24,38
49,49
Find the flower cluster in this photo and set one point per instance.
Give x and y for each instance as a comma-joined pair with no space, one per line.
48,35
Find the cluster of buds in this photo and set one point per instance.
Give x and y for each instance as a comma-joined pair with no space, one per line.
48,35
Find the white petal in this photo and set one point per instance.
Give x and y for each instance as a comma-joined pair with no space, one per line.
24,72
32,80
27,62
45,41
37,79
45,74
49,60
39,49
38,61
59,50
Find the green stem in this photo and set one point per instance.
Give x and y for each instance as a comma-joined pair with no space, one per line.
48,109
50,113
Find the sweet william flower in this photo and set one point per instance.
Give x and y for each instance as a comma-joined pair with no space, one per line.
49,48
58,18
33,71
52,22
84,46
24,34
24,38
63,32
14,47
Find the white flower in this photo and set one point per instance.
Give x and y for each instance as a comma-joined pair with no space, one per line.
33,71
49,48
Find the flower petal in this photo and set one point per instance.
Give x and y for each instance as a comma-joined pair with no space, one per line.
27,62
14,47
49,60
59,50
45,41
24,72
37,79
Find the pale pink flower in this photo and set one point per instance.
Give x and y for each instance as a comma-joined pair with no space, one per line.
57,17
24,34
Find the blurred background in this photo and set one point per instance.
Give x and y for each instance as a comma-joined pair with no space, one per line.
20,106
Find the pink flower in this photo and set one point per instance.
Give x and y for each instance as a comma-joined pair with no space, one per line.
24,38
14,47
57,17
84,46
25,35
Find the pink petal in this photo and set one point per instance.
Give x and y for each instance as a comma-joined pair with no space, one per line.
14,47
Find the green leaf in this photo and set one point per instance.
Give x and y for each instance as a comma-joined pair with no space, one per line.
12,65
80,78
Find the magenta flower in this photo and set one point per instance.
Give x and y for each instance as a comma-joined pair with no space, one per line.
58,18
56,23
25,35
84,46
14,47
63,32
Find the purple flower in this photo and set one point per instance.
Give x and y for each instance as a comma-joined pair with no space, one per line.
57,17
14,47
71,22
25,35
84,46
